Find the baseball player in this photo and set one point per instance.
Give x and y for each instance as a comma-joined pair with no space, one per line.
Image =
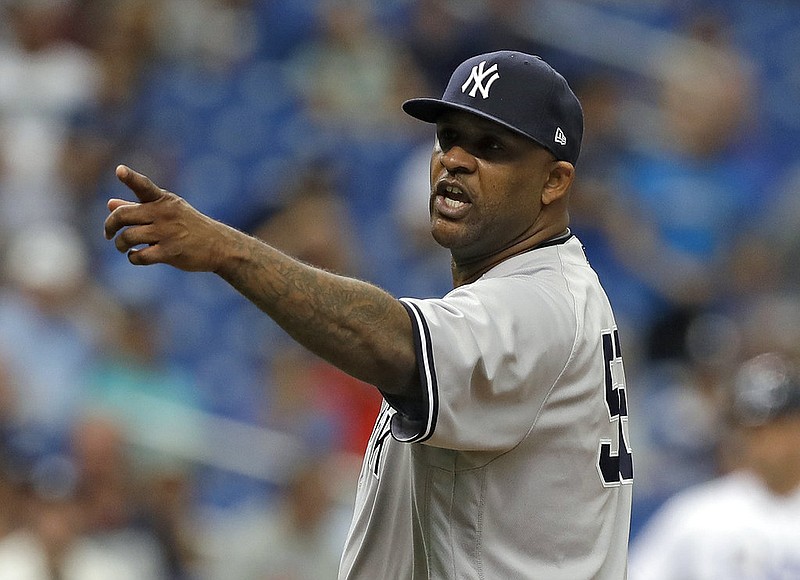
746,524
502,449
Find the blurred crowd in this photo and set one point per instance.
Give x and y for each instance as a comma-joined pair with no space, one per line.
154,425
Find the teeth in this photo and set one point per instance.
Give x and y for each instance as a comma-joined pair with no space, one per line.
452,197
453,203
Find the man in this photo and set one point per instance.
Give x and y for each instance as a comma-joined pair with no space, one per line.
501,448
745,524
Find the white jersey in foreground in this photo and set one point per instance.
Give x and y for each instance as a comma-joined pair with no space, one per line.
518,464
729,528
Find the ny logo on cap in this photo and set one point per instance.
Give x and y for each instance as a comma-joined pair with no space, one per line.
478,77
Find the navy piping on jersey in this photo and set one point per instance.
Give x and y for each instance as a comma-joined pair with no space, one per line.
418,425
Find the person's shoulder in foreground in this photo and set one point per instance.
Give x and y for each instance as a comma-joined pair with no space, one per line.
746,523
524,468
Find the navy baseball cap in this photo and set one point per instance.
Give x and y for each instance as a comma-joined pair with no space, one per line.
517,90
766,387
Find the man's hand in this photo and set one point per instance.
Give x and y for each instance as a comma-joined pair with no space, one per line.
352,324
163,228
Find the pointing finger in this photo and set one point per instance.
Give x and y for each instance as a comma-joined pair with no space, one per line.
139,184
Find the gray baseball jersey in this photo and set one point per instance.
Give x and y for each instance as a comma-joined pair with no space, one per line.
516,462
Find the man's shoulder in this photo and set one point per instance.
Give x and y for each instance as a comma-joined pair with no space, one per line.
715,496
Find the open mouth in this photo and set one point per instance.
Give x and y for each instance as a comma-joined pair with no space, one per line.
451,201
454,197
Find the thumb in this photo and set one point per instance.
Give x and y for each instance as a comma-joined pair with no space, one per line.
139,184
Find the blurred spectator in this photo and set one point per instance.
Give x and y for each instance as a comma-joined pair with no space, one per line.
328,410
11,463
354,76
50,543
43,79
170,499
506,25
297,402
768,250
219,32
441,34
156,404
11,496
283,25
438,40
154,400
298,536
695,176
215,33
8,405
52,315
678,440
599,215
746,524
310,220
108,491
771,321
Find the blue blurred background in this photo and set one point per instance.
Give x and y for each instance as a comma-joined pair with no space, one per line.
164,418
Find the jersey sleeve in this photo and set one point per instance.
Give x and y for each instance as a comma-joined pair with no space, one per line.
488,355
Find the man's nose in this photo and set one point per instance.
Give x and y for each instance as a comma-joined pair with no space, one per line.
456,159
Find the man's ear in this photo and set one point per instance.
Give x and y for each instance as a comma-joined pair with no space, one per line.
558,182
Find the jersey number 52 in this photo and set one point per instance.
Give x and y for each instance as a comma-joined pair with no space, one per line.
615,468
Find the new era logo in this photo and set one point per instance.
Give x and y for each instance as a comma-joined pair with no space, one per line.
479,80
560,138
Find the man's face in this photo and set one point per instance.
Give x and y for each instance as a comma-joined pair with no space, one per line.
772,450
486,185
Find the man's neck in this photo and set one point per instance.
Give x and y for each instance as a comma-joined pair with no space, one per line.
468,272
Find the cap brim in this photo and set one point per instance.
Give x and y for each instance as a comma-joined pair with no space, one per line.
429,110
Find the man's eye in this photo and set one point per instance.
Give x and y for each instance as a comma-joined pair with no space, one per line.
493,145
446,136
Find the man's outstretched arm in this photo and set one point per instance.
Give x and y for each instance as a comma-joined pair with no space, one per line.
352,324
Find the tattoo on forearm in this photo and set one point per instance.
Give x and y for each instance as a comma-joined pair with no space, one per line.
342,319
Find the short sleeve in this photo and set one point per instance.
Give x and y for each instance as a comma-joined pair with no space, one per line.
489,354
